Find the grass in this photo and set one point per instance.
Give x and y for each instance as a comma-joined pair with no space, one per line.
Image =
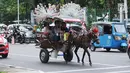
2,72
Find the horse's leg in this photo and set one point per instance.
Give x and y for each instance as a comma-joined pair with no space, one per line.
76,50
83,56
90,62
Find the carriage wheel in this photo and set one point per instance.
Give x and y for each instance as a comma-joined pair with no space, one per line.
108,49
44,55
68,56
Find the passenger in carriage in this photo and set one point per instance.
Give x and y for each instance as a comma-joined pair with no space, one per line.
64,32
56,30
64,27
46,28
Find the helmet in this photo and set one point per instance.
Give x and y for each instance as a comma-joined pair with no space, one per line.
95,30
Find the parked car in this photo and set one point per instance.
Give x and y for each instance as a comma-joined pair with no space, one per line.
29,35
4,47
3,31
25,29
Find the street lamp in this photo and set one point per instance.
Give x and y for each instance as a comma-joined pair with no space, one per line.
126,10
18,10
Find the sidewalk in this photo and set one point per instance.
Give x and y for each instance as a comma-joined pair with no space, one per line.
12,69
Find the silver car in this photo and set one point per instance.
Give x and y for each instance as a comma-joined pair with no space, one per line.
28,30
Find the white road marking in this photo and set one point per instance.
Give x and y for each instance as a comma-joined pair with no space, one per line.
92,69
60,59
128,71
106,64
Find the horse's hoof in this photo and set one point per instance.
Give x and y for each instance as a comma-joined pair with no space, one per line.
83,64
90,64
66,62
78,61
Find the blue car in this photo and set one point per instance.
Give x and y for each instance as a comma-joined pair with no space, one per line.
112,35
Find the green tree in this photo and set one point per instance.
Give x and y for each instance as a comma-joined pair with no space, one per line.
8,10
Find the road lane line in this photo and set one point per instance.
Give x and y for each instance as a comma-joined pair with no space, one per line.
92,69
128,71
60,59
105,64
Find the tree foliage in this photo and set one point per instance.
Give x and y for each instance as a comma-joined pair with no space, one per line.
8,10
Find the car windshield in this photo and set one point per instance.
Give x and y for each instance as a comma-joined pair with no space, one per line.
2,29
70,24
100,28
29,28
120,28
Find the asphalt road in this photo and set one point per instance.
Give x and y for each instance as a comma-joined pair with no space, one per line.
103,62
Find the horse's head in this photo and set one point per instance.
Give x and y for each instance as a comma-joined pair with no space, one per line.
94,35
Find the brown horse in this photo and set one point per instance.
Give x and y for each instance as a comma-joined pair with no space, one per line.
83,40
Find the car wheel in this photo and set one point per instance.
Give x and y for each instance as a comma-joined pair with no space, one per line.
4,55
108,49
27,40
44,55
93,48
21,41
122,49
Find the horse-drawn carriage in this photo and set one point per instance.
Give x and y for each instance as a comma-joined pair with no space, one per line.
76,37
51,45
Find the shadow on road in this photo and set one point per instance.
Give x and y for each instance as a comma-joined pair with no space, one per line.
3,58
70,64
